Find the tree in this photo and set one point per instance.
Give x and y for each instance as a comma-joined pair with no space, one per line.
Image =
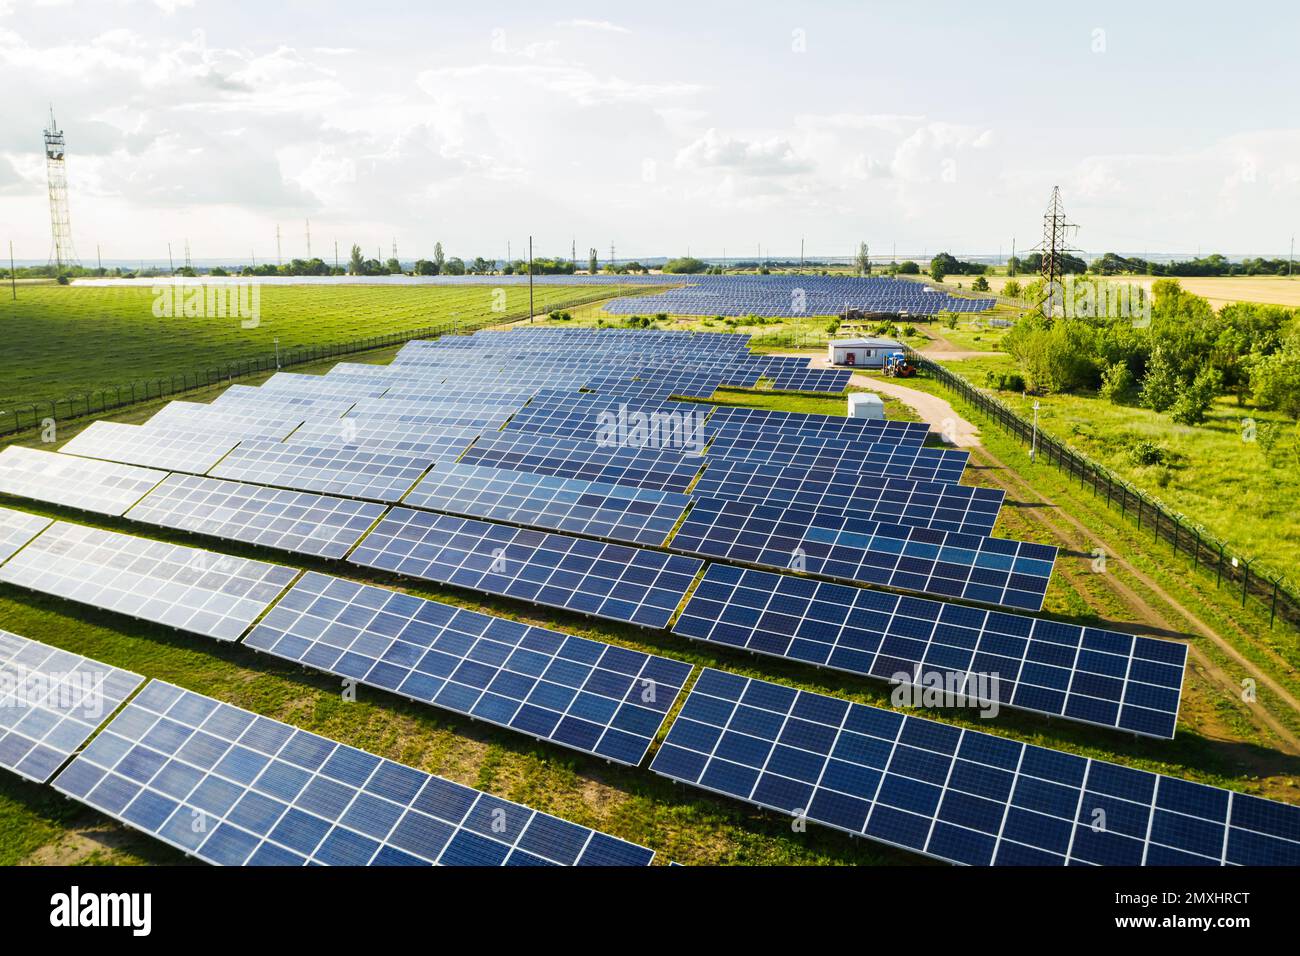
591,262
1012,289
392,265
439,258
938,269
862,261
1014,266
357,262
453,266
908,268
687,265
423,267
1160,383
980,284
1275,379
1116,380
1195,399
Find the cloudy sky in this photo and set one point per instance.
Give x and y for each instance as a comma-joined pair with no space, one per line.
661,127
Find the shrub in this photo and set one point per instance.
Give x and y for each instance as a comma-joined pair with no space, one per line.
1012,289
1194,400
1147,453
1116,381
1160,383
980,284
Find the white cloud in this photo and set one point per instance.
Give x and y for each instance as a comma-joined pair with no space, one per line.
768,157
603,26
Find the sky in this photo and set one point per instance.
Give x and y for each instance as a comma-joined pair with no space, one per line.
713,128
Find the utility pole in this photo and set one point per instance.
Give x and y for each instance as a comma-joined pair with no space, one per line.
99,260
611,251
573,252
171,266
279,259
308,221
1290,262
801,253
336,255
1033,448
530,280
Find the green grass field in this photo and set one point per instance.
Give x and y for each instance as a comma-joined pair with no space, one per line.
60,340
1233,487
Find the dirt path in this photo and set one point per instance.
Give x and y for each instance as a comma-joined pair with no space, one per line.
940,348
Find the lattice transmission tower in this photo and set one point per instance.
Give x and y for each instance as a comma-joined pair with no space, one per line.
62,254
1054,248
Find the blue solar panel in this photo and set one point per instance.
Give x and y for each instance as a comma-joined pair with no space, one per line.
594,509
579,693
880,458
954,794
236,789
940,505
590,577
51,701
338,468
989,570
620,463
1080,673
756,423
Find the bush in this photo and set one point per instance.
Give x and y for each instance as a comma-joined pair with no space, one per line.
909,330
1005,381
1194,400
1116,381
1012,289
980,284
1145,453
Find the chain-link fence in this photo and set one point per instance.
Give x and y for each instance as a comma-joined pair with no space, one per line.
1207,553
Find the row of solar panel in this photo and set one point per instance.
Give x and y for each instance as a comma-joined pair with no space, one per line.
230,787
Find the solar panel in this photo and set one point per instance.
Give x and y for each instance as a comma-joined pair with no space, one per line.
296,521
99,486
251,400
175,449
954,794
17,528
312,386
430,443
207,420
599,422
989,570
940,505
51,701
590,577
595,509
664,469
880,458
583,694
331,469
1063,670
236,789
186,588
484,417
758,423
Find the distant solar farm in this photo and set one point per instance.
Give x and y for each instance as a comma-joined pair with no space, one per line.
586,471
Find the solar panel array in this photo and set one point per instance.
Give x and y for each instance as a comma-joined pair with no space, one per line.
922,504
17,528
956,794
186,588
760,423
590,577
175,449
987,570
99,486
51,701
578,693
336,469
236,789
297,521
879,458
210,420
247,399
427,442
594,509
795,296
664,469
1080,673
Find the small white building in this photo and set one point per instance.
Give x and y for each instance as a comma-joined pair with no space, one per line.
861,353
866,405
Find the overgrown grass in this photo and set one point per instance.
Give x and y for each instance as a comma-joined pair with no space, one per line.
1218,474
